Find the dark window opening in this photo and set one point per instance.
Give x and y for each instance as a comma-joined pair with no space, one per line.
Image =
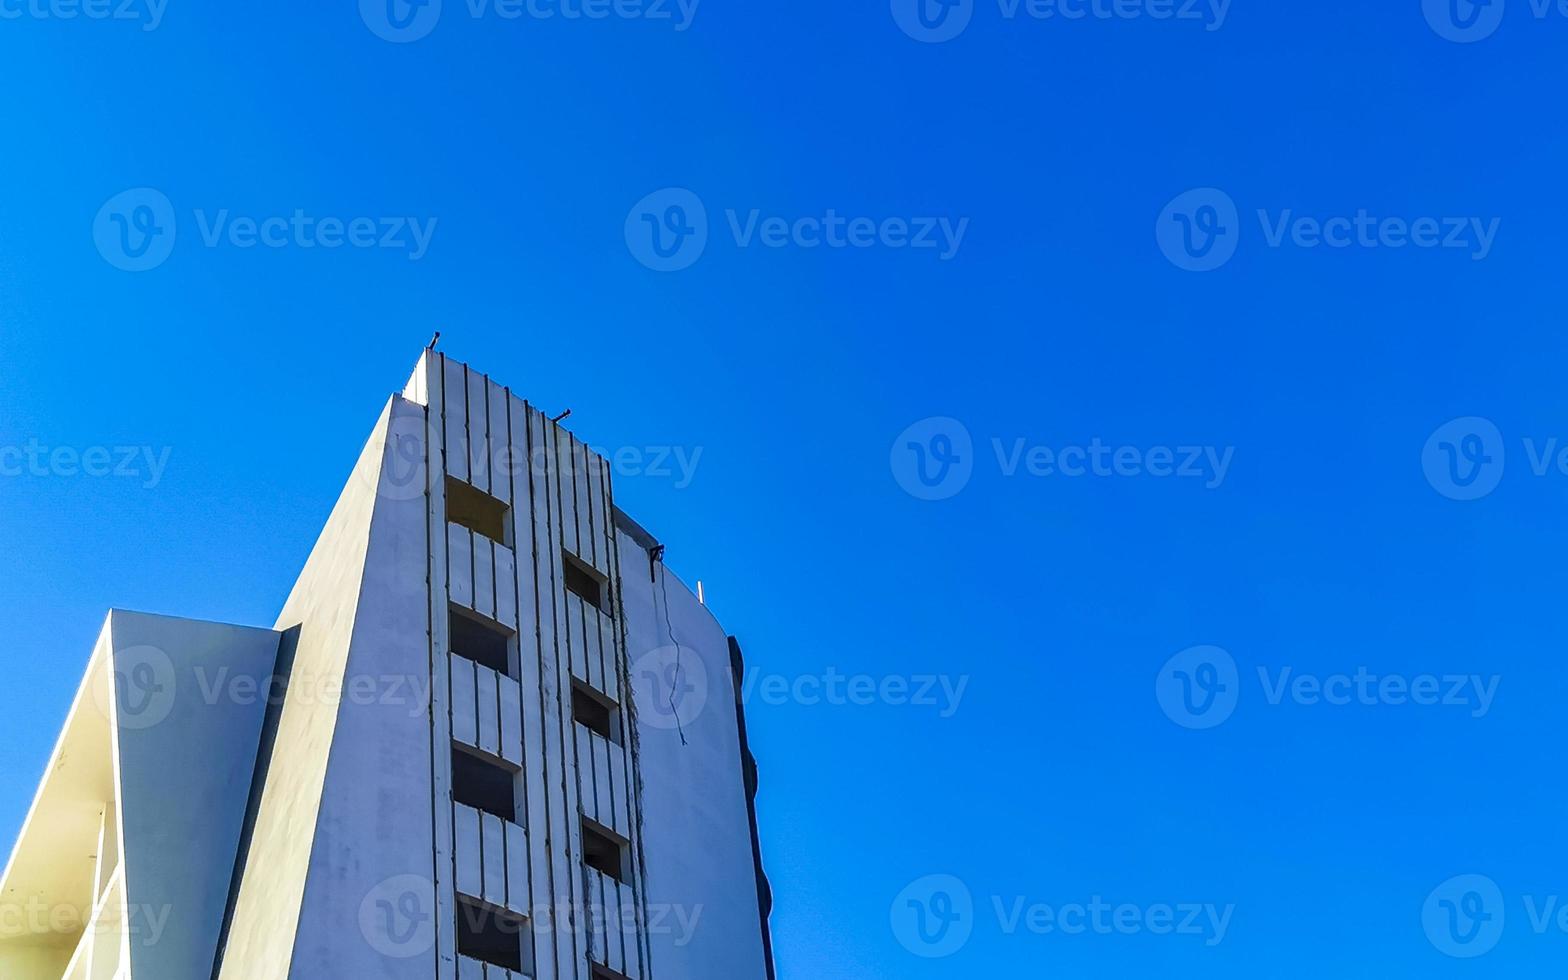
492,936
484,785
485,644
603,973
605,852
470,507
583,582
594,713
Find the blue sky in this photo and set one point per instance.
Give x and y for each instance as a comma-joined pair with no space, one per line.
1134,457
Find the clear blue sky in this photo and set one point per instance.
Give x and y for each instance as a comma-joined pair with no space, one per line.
1327,547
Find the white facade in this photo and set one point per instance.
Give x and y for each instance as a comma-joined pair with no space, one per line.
490,736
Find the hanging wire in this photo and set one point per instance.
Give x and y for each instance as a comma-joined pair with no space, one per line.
675,681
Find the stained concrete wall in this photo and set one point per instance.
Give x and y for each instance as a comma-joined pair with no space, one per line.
705,920
325,606
374,829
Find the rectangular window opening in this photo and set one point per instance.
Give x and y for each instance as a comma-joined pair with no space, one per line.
604,973
468,506
585,583
606,852
495,937
595,712
484,785
486,644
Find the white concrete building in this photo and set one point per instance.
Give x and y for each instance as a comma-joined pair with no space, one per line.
490,737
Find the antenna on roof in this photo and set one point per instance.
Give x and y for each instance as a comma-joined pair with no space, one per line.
563,416
433,341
